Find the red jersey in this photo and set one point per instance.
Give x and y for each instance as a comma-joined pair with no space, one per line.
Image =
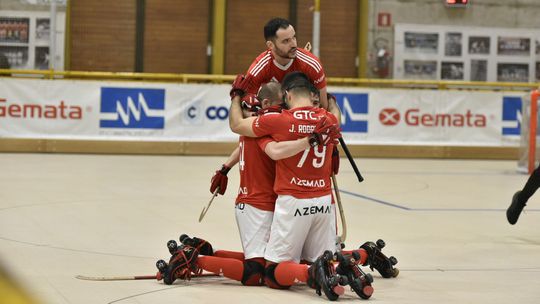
306,174
265,69
257,174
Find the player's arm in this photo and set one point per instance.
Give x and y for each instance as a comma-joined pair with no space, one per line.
324,132
332,105
323,99
280,150
233,159
237,122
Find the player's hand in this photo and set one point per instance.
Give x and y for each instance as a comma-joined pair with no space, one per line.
251,103
331,97
239,86
220,180
335,160
325,132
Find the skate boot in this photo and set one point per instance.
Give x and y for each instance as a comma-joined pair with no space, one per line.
359,281
376,259
202,246
181,264
514,211
322,276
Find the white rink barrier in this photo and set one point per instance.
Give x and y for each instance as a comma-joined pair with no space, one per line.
150,111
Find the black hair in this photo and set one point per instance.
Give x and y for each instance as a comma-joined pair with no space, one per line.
296,80
272,26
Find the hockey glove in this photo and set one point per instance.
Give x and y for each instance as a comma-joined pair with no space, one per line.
220,180
325,132
251,103
239,86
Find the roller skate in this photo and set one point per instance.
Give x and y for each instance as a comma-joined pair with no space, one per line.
181,264
202,246
376,259
322,276
359,281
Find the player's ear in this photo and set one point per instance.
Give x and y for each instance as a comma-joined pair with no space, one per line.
269,44
266,103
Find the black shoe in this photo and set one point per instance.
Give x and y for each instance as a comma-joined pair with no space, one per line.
514,211
202,246
322,276
376,259
359,281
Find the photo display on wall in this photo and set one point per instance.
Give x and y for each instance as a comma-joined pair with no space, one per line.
437,52
25,40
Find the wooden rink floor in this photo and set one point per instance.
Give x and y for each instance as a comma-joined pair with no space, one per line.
63,215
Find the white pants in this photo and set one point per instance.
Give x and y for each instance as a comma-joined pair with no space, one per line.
301,229
254,227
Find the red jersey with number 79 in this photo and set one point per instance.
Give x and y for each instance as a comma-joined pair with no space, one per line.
306,174
265,69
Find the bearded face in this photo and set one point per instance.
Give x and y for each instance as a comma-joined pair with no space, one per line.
284,45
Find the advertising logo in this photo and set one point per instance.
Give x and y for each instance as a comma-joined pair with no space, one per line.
217,112
415,118
389,117
354,108
511,115
132,108
192,113
59,110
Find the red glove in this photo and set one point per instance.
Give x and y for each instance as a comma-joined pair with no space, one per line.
335,160
220,180
271,109
325,132
251,103
239,86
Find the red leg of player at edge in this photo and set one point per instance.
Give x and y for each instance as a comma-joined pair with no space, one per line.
243,271
362,252
229,254
230,268
287,273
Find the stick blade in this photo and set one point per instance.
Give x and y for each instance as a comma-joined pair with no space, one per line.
131,278
201,216
116,278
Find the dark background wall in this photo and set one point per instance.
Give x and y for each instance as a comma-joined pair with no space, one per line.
176,36
103,35
177,33
244,38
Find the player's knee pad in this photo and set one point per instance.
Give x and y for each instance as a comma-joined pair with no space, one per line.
270,277
253,273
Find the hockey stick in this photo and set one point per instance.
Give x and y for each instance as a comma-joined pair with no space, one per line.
128,278
351,160
205,209
341,238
